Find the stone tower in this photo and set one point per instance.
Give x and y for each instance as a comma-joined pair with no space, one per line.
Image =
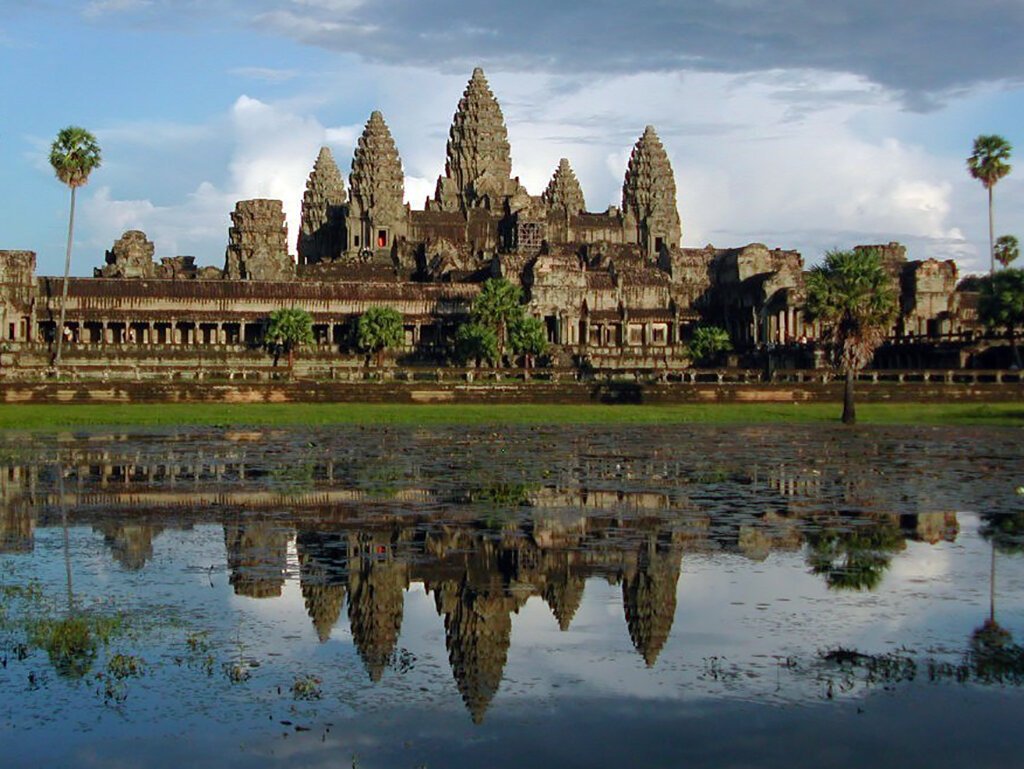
564,194
258,242
478,168
376,216
322,232
649,196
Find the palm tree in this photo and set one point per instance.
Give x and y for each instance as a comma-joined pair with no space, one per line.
852,294
1007,250
1001,305
498,305
379,329
290,327
74,155
988,165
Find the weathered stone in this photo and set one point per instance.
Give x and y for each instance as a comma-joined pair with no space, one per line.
563,193
130,257
322,232
377,215
258,242
478,168
649,195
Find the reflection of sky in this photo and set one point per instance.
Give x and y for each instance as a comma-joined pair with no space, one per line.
735,619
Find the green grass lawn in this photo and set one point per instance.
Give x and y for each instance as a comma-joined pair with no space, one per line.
58,416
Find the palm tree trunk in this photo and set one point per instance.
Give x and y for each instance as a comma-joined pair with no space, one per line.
992,586
291,362
849,411
991,236
1014,352
64,290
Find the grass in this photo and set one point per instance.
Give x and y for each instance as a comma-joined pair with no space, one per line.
56,416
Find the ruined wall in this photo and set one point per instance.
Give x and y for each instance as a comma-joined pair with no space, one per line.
258,242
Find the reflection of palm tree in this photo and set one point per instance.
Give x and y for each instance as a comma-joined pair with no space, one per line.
853,559
64,526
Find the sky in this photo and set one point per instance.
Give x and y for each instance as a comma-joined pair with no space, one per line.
794,123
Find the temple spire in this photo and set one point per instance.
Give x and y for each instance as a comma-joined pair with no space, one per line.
377,182
649,194
564,191
478,168
321,234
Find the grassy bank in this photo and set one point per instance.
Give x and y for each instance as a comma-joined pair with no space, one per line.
60,416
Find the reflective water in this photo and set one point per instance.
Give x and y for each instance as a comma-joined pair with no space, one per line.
464,596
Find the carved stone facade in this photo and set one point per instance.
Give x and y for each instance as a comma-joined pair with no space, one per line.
614,289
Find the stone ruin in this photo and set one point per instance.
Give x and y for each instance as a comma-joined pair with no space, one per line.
258,243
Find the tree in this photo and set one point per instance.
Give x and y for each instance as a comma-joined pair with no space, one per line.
528,337
852,295
708,342
379,329
289,329
73,155
498,304
1007,250
475,342
988,164
1001,305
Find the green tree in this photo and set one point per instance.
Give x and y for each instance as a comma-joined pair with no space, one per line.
498,304
709,342
379,329
528,337
1007,250
74,155
988,164
852,295
475,342
289,329
1001,305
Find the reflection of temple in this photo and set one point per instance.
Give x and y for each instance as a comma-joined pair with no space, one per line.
130,544
257,553
649,598
369,521
322,578
377,584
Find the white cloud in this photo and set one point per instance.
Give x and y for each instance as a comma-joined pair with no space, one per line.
265,74
98,8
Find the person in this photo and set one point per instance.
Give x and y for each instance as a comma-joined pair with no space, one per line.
68,335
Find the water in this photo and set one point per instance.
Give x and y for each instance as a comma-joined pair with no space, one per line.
551,596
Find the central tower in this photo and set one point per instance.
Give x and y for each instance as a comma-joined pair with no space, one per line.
478,168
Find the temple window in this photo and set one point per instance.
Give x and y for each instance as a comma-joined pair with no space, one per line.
636,334
382,238
658,243
659,333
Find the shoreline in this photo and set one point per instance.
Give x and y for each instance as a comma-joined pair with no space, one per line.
48,416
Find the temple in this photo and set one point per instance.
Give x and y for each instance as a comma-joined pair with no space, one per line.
614,289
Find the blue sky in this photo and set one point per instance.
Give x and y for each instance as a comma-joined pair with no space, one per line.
793,123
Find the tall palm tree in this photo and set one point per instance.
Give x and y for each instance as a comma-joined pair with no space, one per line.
852,295
74,155
988,164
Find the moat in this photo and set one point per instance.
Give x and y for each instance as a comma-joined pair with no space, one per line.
463,596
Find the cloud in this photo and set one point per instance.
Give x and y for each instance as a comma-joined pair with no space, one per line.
265,74
953,44
271,151
97,8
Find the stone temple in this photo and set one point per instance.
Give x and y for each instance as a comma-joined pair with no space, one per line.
614,289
